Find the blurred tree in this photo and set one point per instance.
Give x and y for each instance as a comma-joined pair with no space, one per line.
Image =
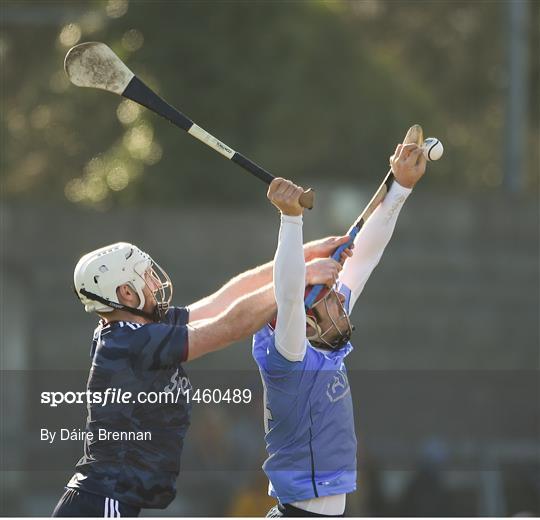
316,91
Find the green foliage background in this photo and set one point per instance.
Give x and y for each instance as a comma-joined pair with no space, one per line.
316,91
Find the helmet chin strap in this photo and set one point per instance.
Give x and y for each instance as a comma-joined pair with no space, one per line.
156,315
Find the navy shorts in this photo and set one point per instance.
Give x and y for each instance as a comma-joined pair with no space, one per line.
78,503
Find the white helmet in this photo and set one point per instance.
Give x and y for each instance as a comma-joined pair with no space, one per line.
99,273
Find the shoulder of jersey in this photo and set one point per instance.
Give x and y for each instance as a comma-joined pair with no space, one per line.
127,325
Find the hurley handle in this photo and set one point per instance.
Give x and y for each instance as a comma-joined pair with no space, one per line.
307,198
316,289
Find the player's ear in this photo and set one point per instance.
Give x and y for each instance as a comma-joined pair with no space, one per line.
125,294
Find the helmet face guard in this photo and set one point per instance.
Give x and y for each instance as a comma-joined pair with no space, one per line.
163,293
320,338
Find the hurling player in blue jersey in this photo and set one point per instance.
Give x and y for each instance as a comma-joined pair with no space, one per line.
132,449
309,423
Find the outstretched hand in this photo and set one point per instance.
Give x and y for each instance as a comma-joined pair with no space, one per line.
408,164
324,247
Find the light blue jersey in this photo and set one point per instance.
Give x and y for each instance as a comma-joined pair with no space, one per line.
309,421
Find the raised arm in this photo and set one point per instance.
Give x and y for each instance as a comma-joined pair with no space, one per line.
289,288
289,272
371,241
408,165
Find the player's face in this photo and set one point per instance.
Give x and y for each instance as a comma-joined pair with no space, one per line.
333,312
157,290
157,293
332,317
152,285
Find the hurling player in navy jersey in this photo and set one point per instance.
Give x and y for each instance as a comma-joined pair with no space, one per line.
309,421
132,449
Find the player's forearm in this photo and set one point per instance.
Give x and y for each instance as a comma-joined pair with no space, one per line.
242,319
239,286
247,315
372,240
289,264
251,312
289,285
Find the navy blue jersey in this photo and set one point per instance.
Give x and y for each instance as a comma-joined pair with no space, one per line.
145,360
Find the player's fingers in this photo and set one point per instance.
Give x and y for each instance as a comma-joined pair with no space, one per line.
347,253
294,194
407,149
339,241
331,243
291,192
335,265
334,270
413,156
396,153
277,182
421,163
274,186
330,268
331,278
286,189
290,185
285,185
